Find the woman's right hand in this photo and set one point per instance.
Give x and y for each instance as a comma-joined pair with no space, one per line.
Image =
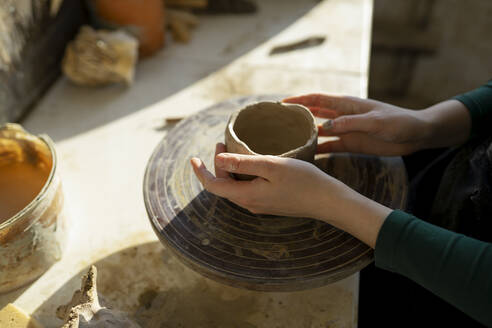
371,127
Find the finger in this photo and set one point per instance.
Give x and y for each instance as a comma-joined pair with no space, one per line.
219,173
201,171
324,129
311,99
261,166
343,105
349,124
332,146
323,112
363,144
227,188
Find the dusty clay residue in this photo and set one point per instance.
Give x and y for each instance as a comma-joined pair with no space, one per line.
150,284
50,215
276,253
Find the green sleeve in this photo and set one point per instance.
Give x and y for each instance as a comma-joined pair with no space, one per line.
455,267
479,103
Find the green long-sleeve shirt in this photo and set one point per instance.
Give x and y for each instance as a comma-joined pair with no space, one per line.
455,267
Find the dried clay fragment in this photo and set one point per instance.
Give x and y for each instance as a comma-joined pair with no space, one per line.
84,310
100,57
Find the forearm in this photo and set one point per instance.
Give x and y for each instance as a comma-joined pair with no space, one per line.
479,104
454,267
453,122
447,124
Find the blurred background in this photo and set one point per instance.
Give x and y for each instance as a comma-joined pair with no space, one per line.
423,51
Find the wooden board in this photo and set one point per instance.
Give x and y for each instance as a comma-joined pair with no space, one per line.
227,243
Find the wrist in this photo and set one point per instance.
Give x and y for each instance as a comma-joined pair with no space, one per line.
446,124
429,128
354,213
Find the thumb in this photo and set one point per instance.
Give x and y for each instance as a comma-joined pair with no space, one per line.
348,123
257,165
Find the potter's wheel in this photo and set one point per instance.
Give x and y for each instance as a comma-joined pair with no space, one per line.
227,243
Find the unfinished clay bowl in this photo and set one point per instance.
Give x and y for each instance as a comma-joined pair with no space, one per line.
272,128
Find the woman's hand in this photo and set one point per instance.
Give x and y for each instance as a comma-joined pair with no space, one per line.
372,127
283,186
291,187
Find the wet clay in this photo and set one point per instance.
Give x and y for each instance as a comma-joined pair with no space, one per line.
272,128
23,173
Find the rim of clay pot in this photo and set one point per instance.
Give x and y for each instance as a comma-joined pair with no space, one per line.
43,192
297,107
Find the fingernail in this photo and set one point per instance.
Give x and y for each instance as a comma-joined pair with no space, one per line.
195,161
327,125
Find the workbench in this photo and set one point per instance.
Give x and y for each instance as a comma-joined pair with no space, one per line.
105,136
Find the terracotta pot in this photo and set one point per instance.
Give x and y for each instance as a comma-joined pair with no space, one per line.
272,128
145,17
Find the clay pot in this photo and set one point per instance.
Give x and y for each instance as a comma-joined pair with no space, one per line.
272,128
144,17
